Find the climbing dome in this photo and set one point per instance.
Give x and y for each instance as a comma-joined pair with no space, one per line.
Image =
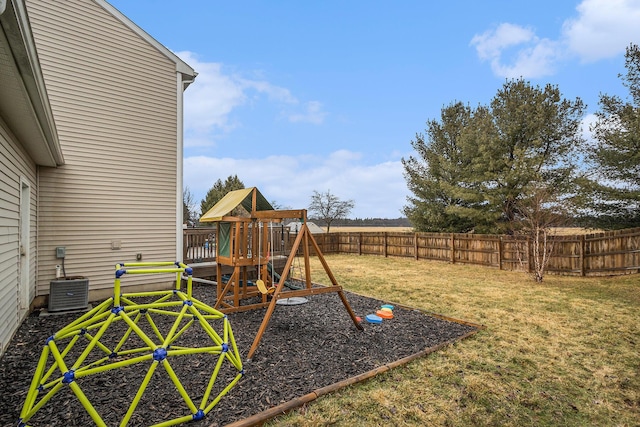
127,335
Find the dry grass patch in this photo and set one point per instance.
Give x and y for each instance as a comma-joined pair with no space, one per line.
564,352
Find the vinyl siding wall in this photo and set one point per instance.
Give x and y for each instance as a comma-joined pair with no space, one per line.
113,96
14,165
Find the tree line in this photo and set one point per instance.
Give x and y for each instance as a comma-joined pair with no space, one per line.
366,222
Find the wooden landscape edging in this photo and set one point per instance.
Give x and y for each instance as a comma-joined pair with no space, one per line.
261,417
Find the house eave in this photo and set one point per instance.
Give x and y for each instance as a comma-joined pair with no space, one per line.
33,124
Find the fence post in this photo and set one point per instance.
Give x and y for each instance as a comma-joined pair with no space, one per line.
499,252
384,247
415,246
582,248
453,248
359,243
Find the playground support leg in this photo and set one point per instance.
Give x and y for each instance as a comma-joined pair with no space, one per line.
335,283
274,297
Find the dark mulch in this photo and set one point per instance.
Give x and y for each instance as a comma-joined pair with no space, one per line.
305,347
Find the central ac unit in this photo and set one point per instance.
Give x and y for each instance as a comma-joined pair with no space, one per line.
68,294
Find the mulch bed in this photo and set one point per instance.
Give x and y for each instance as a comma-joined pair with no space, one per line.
304,348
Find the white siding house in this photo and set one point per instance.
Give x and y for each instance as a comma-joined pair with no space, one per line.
90,150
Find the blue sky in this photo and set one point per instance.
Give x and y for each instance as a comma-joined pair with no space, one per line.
297,96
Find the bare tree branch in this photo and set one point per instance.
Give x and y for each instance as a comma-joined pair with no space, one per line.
329,207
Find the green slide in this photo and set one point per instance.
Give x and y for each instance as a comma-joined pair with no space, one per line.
276,279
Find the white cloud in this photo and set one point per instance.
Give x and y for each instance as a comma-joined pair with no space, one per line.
313,114
491,43
533,57
210,101
603,28
377,190
274,93
537,60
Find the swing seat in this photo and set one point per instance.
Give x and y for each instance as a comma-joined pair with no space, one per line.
263,288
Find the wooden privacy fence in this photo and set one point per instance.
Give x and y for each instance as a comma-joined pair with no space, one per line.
615,252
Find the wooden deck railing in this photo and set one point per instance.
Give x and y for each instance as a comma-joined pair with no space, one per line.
199,244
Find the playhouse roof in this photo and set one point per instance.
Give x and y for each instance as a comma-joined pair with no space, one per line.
236,198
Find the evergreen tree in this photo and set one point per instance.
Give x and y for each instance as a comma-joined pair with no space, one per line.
531,142
478,165
613,184
219,190
436,176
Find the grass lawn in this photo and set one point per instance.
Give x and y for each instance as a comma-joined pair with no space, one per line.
562,353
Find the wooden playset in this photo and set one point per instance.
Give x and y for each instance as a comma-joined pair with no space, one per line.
243,219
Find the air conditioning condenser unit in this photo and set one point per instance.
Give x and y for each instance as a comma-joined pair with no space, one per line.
68,294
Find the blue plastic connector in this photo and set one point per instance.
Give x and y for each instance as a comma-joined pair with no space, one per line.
159,354
120,273
51,338
189,271
118,309
187,302
68,377
225,347
198,415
